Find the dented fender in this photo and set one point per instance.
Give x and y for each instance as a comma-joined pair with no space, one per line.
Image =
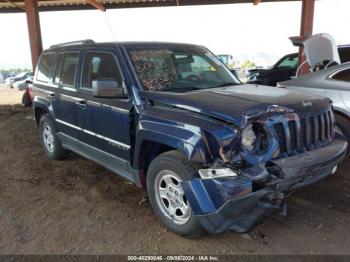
200,139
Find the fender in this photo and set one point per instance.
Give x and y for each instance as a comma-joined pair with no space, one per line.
187,140
201,140
44,104
341,111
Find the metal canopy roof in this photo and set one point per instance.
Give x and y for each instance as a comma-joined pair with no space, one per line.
9,6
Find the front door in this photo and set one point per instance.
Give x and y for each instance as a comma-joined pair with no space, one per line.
105,122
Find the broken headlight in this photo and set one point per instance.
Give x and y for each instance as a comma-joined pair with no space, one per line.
254,138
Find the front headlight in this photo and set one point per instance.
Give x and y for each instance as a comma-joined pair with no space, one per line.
248,138
254,138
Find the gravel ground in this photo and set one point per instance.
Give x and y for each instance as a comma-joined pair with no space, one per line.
75,206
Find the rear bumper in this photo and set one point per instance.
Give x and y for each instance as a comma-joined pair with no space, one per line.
238,203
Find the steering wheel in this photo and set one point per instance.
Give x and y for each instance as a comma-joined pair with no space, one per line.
192,77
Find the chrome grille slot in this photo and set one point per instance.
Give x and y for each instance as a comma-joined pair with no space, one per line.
293,136
281,137
310,132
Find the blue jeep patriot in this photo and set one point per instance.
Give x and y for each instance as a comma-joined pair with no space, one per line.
213,154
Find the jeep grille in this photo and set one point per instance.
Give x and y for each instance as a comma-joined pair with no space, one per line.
314,130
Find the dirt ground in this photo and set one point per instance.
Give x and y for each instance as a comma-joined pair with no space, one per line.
75,206
9,96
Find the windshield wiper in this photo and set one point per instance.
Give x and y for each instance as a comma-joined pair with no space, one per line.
227,84
181,89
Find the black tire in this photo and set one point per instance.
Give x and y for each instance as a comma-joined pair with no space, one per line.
56,150
26,100
343,124
175,162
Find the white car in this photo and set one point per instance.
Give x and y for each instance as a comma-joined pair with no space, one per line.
21,76
21,85
2,79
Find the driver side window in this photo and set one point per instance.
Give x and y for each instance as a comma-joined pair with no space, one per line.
100,66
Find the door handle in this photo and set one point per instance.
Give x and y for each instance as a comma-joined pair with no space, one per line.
81,103
52,96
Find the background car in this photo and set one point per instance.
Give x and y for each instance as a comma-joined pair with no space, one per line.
21,76
229,62
286,68
22,85
333,82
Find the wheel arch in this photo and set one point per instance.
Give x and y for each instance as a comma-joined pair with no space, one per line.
38,113
41,106
151,144
149,150
340,112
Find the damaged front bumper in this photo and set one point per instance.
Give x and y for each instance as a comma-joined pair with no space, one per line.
238,203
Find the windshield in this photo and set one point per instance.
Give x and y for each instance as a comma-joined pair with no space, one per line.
224,59
177,69
290,62
21,74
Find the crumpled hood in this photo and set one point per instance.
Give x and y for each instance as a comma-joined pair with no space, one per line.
236,104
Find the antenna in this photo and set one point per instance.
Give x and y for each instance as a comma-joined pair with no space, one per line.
109,26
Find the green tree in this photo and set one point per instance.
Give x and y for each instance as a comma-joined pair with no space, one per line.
248,64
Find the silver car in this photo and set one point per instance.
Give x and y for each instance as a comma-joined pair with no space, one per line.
334,83
21,76
21,85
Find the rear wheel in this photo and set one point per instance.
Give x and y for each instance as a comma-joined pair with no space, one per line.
343,124
49,140
166,196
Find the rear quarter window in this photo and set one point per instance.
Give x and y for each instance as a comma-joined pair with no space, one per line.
343,75
44,67
344,54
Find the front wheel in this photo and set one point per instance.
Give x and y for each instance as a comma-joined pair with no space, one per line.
166,196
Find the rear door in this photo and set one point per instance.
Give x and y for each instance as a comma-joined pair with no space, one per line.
65,80
105,122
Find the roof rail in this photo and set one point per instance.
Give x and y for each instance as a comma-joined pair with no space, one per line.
80,42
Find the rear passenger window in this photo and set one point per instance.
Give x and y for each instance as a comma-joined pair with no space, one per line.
66,69
343,75
44,67
98,66
344,53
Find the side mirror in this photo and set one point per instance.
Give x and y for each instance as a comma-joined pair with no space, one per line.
106,88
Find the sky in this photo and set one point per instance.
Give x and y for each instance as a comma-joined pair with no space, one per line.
257,33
